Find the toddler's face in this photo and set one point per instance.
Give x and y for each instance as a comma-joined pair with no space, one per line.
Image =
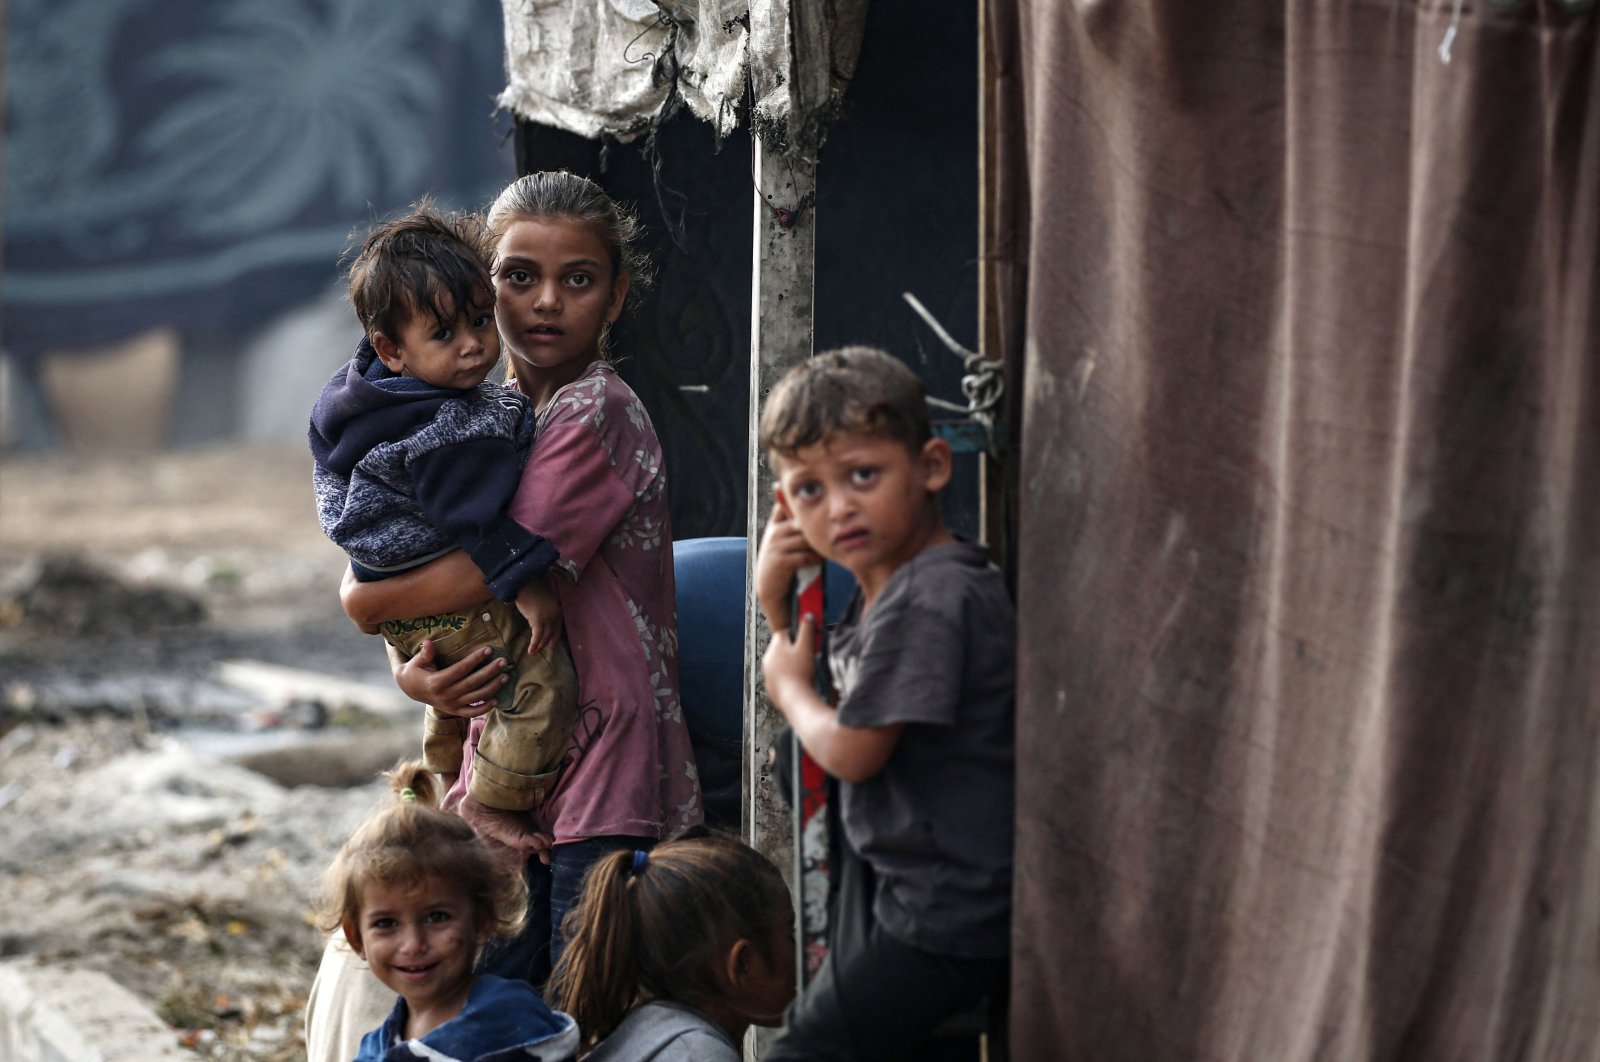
420,939
458,353
863,501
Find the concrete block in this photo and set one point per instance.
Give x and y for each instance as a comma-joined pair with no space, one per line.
59,1014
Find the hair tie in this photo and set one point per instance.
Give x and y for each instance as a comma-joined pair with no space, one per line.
640,858
408,795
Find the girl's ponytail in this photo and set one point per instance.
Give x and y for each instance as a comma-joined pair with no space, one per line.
657,926
412,783
596,980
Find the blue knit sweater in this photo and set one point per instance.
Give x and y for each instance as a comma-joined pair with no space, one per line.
406,472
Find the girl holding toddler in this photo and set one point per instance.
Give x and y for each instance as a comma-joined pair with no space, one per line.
595,489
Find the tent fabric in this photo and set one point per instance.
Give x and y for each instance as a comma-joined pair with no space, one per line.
802,55
1305,323
606,68
712,40
588,68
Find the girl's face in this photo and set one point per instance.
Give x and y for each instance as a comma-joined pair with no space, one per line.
420,939
771,984
555,293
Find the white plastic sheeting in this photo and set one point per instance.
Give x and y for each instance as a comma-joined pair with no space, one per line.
712,48
605,68
584,65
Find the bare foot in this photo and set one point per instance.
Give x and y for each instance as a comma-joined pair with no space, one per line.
513,829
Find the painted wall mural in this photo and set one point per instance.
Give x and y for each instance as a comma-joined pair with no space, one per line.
203,165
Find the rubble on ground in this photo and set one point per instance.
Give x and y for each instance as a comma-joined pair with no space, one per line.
160,823
66,595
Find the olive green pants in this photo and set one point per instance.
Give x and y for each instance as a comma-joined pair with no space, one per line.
526,733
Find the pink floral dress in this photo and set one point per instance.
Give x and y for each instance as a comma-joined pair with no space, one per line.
596,488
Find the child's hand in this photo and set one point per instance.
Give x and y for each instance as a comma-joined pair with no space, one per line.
466,688
540,607
783,552
788,667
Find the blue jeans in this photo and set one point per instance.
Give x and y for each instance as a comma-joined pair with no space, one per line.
552,892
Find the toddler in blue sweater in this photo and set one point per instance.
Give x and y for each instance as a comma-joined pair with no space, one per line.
417,454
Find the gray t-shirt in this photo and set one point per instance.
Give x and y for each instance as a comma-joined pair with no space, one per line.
937,651
660,1031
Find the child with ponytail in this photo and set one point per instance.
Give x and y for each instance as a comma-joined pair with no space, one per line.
417,894
672,953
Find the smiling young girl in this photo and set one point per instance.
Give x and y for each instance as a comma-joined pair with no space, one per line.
595,489
417,894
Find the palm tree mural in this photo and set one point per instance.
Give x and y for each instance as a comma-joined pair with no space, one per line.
278,85
164,152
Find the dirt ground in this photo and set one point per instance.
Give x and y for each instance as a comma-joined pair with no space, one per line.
157,823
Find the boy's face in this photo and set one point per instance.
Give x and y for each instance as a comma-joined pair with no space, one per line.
458,353
866,502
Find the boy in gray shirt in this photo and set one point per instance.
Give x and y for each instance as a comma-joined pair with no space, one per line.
922,738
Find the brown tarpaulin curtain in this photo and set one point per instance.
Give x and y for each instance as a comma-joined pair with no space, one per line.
1304,324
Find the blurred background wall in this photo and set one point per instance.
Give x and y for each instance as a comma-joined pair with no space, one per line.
180,181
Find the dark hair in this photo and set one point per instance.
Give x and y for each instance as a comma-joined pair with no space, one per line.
856,389
425,261
413,839
658,931
558,194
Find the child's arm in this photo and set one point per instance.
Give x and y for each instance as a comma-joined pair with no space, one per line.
466,688
783,552
849,753
450,584
463,489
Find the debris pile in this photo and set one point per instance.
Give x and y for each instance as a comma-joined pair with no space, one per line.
184,741
65,595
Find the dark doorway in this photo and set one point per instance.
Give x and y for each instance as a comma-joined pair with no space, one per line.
897,210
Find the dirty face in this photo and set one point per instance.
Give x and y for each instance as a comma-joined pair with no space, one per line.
456,353
420,939
555,294
865,502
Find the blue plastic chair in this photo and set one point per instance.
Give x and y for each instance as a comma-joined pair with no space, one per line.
710,574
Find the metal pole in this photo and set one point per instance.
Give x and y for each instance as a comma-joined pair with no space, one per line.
781,336
991,482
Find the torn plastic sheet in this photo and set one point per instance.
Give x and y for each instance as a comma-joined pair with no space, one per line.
802,56
606,68
713,38
587,66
